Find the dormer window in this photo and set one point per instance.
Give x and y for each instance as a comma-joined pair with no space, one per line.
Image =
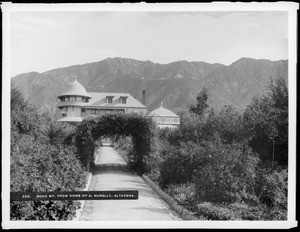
123,100
109,99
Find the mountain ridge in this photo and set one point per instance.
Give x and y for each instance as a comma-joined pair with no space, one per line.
176,83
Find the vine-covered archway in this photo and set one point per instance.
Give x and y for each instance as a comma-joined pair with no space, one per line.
138,127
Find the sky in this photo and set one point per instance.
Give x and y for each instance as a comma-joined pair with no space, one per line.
41,41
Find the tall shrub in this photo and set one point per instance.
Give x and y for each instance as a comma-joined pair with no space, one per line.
38,165
229,176
182,163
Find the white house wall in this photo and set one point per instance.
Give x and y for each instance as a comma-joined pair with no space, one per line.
73,111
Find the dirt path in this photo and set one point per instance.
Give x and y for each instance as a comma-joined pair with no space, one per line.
112,174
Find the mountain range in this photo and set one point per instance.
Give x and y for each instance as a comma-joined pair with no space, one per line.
175,84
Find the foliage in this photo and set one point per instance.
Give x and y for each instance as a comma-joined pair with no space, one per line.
265,122
181,163
84,142
43,167
54,133
44,210
229,176
25,120
184,194
229,125
16,99
201,105
138,127
225,156
211,211
239,211
40,164
278,91
272,187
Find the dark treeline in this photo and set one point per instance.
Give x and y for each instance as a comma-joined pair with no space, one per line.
227,165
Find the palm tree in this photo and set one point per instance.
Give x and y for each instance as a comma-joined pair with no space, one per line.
54,133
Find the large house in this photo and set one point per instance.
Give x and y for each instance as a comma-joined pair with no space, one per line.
76,104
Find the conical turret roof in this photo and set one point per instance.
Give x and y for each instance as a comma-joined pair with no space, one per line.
163,112
76,89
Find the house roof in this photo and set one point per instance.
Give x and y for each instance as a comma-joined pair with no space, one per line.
163,112
99,99
75,89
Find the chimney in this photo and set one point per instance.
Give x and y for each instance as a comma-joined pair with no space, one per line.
144,97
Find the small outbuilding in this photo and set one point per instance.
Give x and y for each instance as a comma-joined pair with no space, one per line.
165,118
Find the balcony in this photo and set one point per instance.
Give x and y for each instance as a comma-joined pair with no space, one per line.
61,104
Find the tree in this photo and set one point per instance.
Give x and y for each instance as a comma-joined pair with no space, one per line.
278,92
24,116
230,125
54,133
266,123
201,104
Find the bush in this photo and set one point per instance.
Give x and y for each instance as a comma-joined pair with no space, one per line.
182,163
42,167
272,187
40,162
184,194
215,212
238,211
43,210
229,176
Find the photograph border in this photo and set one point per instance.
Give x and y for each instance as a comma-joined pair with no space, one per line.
290,7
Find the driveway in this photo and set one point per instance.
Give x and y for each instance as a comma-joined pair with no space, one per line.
111,173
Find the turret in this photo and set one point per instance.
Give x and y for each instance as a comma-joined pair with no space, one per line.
73,100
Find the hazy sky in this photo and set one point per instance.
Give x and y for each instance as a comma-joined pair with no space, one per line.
41,41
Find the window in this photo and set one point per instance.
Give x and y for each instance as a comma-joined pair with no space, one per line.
107,111
95,111
109,99
121,111
64,115
123,100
